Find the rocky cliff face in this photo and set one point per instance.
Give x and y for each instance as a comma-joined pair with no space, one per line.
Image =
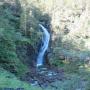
70,29
68,22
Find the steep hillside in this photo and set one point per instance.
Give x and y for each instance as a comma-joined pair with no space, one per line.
67,22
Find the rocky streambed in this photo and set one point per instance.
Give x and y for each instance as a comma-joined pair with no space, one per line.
44,76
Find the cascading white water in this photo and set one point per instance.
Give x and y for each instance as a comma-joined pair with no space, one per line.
44,47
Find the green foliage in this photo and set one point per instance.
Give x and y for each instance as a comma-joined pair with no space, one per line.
8,56
8,80
17,27
8,38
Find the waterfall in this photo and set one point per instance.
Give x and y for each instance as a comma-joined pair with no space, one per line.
44,47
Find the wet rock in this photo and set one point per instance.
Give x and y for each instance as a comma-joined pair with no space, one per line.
44,76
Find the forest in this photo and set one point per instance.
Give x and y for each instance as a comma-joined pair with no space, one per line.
44,44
